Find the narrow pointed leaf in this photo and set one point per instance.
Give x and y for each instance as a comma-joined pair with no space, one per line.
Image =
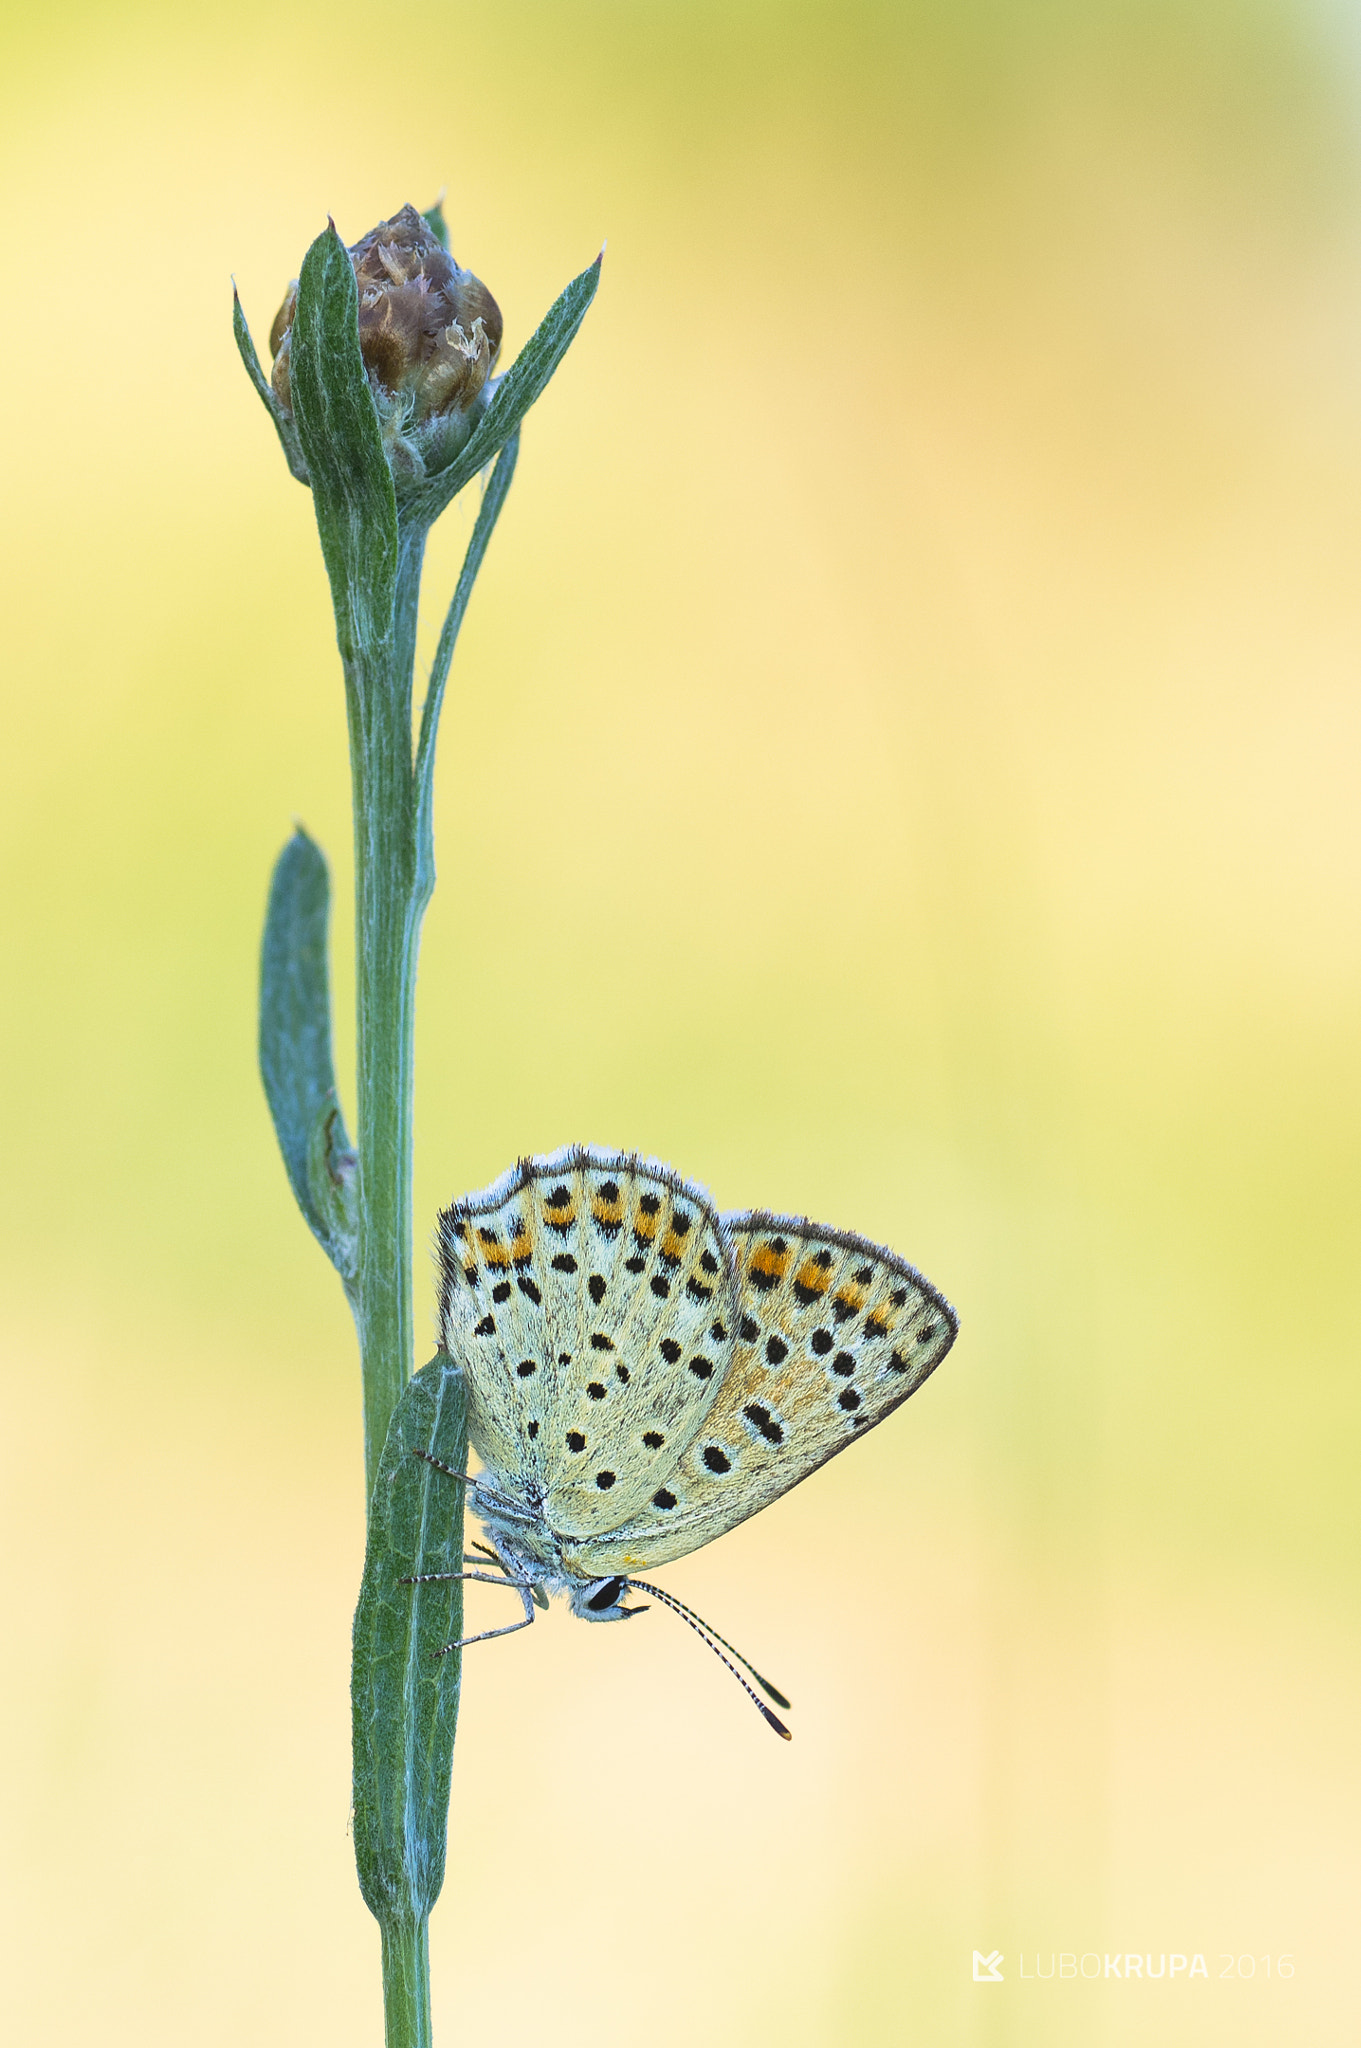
295,1051
283,427
493,498
433,217
515,393
404,1696
342,442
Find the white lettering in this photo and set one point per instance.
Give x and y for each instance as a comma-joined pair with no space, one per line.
1161,1970
1044,1973
1021,1966
1178,1965
1091,1973
1113,1966
1198,1968
1067,1965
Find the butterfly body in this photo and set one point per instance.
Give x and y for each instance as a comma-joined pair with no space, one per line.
643,1373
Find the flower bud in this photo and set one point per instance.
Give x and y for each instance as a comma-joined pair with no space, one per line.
429,334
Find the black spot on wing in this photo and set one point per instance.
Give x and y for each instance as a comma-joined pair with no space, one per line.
763,1422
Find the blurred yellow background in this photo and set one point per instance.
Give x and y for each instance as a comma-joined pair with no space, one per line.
927,614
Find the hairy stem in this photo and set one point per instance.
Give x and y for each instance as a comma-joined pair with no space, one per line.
388,908
406,1983
389,904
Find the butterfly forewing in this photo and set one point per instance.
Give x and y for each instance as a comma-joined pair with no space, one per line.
833,1333
590,1297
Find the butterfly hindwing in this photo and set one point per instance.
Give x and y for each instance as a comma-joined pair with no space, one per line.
590,1296
833,1333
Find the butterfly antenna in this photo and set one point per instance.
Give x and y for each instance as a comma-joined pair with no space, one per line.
712,1640
700,1623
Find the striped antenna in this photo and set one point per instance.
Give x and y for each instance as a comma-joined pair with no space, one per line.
712,1638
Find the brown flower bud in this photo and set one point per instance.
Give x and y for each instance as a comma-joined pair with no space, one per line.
429,332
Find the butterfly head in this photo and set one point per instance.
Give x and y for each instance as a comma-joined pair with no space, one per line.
600,1600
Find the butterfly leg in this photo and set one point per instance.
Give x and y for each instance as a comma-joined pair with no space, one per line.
504,1506
528,1594
485,1635
485,1551
444,1578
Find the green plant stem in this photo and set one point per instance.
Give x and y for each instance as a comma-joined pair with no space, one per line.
389,904
406,1983
389,901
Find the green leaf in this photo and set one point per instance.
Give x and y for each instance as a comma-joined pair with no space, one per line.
433,217
404,1696
342,442
283,425
515,393
493,498
295,1052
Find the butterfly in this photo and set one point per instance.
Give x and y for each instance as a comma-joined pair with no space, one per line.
643,1373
